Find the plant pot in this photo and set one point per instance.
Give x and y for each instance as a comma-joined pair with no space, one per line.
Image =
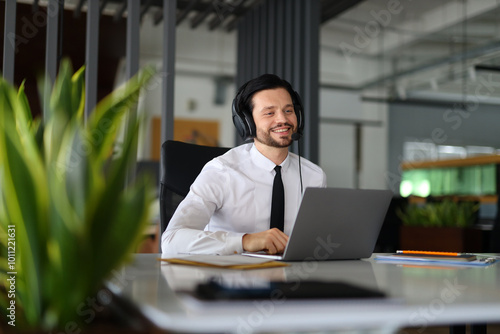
446,239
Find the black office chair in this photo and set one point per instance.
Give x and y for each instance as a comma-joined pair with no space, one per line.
180,165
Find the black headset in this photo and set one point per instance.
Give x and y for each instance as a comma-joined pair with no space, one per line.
243,119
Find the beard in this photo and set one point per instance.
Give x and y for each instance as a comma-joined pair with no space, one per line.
264,137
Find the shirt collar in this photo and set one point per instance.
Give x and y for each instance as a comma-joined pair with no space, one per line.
261,161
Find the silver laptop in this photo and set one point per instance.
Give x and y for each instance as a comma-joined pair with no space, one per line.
335,224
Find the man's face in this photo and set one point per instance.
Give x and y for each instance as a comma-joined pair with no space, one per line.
274,117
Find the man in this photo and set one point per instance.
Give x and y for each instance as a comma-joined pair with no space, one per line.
228,208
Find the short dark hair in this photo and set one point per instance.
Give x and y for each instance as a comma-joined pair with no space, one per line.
263,82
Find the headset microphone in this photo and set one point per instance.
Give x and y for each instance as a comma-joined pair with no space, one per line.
296,136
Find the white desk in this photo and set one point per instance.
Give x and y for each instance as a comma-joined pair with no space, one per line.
418,297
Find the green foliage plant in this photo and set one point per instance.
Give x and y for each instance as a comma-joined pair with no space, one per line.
445,213
67,218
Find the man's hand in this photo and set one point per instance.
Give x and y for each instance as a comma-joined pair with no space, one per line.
272,241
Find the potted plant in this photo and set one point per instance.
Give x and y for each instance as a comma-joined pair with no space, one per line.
445,225
67,218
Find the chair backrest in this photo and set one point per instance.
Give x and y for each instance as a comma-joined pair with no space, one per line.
180,165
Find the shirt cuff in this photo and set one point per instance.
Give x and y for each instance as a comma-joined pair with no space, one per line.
234,243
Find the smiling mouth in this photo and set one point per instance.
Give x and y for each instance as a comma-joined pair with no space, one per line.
281,130
284,128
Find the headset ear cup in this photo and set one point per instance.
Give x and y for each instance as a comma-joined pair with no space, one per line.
299,112
300,122
252,131
243,122
238,122
240,125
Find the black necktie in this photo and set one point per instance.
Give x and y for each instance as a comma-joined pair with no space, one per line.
278,201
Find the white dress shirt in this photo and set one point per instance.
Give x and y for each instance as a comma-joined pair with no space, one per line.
231,197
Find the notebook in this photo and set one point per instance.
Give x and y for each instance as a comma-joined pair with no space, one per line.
335,224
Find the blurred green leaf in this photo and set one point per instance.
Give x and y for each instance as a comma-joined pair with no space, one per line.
65,192
24,106
25,200
103,123
78,92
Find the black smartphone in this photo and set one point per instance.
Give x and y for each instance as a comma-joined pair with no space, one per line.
213,290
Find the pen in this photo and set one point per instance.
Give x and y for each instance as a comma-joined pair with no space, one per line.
429,253
416,252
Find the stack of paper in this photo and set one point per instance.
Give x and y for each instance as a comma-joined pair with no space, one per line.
225,261
444,258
